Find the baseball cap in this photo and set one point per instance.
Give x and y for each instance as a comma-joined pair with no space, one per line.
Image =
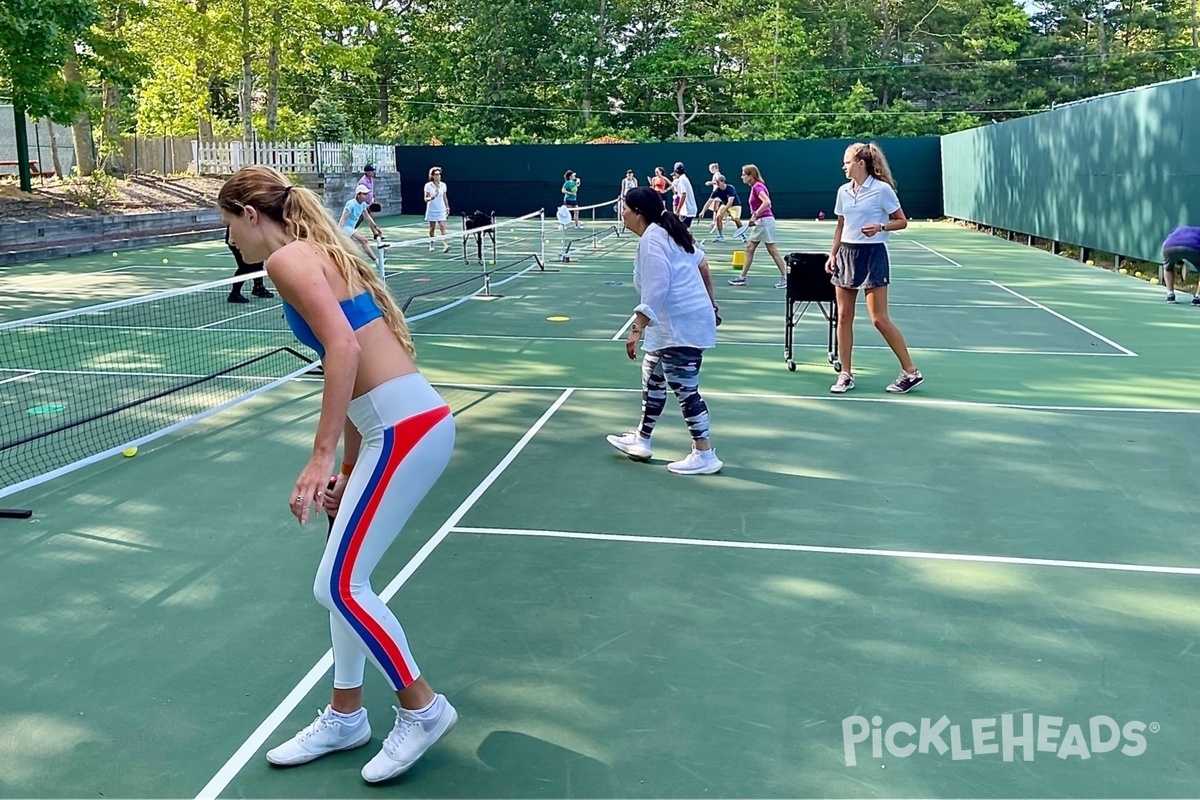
360,189
719,177
679,166
368,168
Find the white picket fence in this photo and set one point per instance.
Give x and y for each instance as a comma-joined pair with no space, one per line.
221,158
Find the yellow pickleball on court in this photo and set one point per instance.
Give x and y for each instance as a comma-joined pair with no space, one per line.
557,319
129,453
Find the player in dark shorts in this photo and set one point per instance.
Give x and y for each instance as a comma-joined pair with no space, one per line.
235,290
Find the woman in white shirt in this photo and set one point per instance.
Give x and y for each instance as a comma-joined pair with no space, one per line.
437,206
867,209
677,317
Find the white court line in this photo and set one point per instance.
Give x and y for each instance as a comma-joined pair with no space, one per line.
730,343
617,336
274,307
1065,319
891,304
936,253
843,551
256,739
106,373
829,398
20,377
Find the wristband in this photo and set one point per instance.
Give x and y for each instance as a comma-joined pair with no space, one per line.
347,468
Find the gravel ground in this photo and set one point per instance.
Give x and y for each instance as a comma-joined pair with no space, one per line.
54,199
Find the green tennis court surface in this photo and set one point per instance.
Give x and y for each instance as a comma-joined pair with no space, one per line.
1016,537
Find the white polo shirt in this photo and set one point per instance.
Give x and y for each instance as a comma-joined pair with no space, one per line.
875,201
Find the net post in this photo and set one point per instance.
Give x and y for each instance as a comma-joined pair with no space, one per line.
380,260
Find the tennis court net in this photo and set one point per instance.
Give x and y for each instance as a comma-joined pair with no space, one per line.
78,386
431,275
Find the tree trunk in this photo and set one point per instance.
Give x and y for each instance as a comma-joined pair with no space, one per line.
246,96
601,33
682,118
273,70
1195,39
81,127
203,79
111,153
110,134
58,170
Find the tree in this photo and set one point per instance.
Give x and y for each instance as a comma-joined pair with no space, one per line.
37,39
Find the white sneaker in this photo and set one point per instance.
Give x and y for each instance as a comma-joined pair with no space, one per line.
327,734
632,445
409,740
698,462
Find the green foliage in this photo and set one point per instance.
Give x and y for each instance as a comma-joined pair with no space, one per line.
329,121
512,71
93,190
37,37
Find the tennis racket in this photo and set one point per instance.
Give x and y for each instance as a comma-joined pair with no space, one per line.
329,488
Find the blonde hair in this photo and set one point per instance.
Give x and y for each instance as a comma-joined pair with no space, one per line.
754,173
304,218
874,160
433,170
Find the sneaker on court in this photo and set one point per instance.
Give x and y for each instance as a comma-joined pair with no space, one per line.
409,739
843,384
238,297
632,445
781,283
908,380
718,239
1170,297
697,462
1196,300
327,734
383,245
263,292
738,281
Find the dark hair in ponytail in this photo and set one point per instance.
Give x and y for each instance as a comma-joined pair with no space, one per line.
649,205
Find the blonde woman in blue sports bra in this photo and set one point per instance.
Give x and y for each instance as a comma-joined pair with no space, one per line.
397,435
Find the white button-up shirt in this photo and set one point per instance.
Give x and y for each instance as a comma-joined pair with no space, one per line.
672,294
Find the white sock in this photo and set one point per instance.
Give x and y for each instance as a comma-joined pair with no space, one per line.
427,711
351,718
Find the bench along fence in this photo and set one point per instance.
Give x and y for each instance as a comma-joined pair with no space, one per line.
219,158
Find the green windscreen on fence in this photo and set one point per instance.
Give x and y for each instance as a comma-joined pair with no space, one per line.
1115,173
803,176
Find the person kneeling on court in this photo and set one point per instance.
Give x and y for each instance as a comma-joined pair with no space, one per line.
677,314
397,435
1182,247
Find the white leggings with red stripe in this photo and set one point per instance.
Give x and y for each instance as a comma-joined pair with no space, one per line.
408,436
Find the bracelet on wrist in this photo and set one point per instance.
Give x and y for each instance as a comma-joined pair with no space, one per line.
347,468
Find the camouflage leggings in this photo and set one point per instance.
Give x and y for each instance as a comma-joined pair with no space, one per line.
679,368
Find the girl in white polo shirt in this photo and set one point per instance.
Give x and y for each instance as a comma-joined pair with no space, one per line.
867,209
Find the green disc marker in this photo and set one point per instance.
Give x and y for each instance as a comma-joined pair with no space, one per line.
46,408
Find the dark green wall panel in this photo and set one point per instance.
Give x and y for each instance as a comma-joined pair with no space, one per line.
1115,173
803,176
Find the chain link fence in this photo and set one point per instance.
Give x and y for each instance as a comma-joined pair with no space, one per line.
51,146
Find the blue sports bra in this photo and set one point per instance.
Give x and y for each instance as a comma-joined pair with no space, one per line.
358,310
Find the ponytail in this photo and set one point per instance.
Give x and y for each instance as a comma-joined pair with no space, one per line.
305,219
